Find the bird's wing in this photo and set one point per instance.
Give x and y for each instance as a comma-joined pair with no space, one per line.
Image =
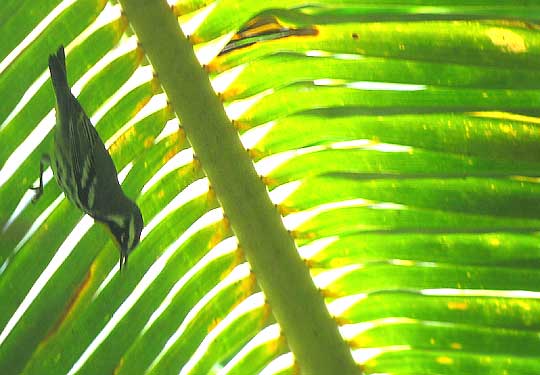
92,167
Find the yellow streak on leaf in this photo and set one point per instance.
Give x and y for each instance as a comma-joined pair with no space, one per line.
285,210
248,285
495,242
121,25
361,342
269,181
221,232
458,305
148,142
241,126
328,293
72,303
342,321
155,85
507,40
524,305
296,368
443,360
119,366
233,91
239,256
507,116
213,325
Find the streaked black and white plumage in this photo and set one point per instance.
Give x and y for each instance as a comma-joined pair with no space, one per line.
83,167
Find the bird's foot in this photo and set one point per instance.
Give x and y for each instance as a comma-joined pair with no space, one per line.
37,194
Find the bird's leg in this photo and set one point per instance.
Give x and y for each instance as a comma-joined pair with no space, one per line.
39,189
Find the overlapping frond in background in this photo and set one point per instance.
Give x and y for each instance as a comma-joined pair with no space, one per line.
401,142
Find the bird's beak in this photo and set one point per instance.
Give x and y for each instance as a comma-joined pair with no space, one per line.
123,258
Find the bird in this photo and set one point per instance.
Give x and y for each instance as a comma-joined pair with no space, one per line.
83,168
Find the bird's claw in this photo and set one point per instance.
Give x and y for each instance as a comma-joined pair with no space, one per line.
37,194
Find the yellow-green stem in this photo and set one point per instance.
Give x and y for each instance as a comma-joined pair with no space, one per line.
296,303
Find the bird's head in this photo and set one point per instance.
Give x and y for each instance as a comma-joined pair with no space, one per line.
126,228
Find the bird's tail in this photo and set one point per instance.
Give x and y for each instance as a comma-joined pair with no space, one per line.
57,67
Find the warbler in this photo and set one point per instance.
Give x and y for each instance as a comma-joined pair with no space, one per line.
83,168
